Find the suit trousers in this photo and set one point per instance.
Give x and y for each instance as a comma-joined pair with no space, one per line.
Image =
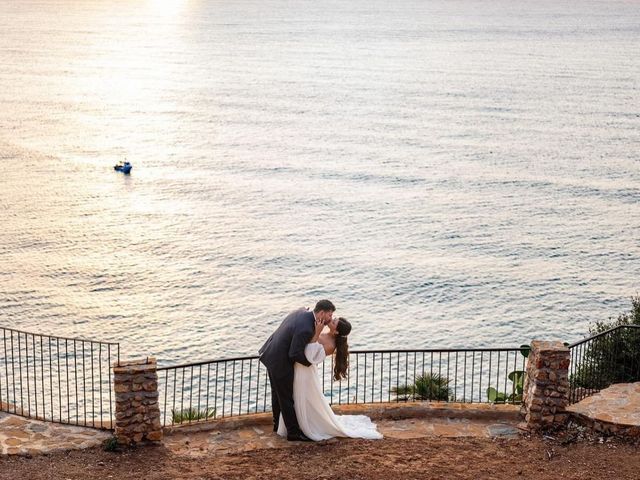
282,402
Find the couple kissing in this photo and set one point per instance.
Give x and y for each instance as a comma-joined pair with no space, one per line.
301,412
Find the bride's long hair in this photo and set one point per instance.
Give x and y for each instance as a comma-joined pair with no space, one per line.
341,364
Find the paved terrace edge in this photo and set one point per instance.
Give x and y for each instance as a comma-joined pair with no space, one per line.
377,411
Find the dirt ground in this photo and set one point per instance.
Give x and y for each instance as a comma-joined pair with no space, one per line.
536,457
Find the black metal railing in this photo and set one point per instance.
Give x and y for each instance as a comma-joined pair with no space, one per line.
57,379
609,357
201,391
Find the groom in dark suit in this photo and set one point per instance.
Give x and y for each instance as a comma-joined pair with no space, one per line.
282,349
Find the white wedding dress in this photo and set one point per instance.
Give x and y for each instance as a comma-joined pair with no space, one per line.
315,417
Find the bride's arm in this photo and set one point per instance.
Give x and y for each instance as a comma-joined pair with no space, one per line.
314,352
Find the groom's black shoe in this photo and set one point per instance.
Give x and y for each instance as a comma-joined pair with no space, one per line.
298,437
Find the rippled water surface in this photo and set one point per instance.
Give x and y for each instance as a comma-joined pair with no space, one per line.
449,173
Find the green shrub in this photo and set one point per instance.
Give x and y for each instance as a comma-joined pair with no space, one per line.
192,415
424,387
611,358
110,444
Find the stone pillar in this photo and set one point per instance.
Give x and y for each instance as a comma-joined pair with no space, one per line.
137,409
546,385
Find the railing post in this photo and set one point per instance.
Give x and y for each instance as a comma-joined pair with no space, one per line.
137,409
546,387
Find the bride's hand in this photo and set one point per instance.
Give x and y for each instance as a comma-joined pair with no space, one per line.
319,328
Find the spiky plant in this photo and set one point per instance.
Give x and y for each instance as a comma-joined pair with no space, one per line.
192,415
425,387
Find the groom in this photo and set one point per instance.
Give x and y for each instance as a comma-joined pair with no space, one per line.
282,349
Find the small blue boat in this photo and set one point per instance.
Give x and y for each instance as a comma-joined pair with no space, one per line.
123,167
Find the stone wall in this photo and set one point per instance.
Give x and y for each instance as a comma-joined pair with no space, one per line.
137,409
546,387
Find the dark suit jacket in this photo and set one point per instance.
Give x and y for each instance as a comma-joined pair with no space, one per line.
286,345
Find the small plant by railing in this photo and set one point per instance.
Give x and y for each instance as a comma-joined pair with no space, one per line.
201,391
58,379
425,387
517,384
192,415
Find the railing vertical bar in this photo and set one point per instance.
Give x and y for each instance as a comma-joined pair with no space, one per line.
66,357
208,385
397,375
215,398
340,391
110,380
20,368
415,361
44,408
498,372
264,399
431,365
572,375
190,415
241,382
51,376
100,383
440,369
166,388
473,372
602,364
258,384
13,375
93,396
35,373
381,376
480,384
224,388
357,377
506,370
84,386
588,349
249,388
173,399
455,381
448,375
6,368
406,368
373,376
206,413
364,388
577,367
59,378
489,379
524,369
464,378
75,380
349,383
233,384
513,384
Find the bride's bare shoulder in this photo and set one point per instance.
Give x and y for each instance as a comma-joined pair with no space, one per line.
328,341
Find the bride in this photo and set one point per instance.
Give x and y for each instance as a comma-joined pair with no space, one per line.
317,420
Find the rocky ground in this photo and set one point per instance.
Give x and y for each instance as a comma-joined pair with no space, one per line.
572,454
